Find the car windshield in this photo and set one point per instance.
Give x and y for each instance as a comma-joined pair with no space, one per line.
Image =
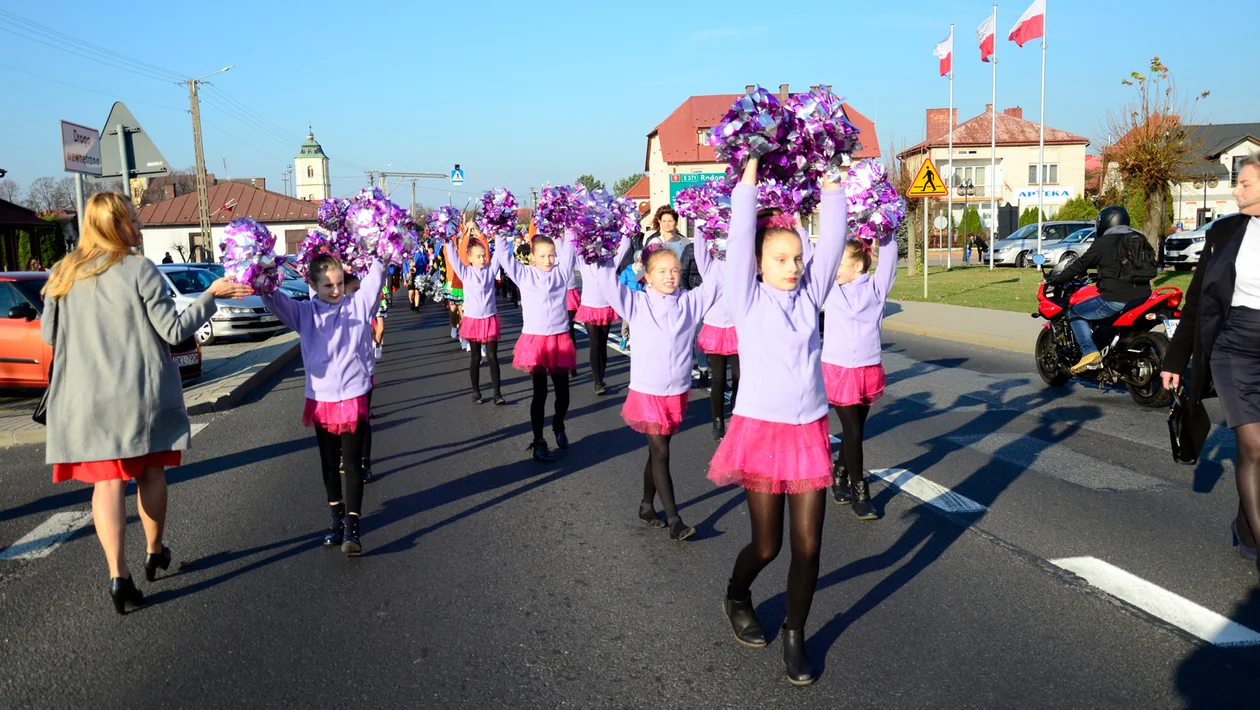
191,280
290,271
1024,232
216,269
1078,236
31,290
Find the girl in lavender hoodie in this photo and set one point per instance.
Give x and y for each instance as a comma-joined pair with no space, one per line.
333,327
663,318
777,446
480,324
852,357
598,317
544,348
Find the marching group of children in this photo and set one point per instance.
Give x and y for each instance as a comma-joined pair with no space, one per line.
759,310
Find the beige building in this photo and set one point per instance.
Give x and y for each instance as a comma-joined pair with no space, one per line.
312,183
1016,180
1209,193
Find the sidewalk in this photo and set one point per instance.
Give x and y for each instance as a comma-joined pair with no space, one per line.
1005,330
228,373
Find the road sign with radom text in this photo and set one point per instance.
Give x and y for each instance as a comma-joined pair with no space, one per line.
928,182
80,149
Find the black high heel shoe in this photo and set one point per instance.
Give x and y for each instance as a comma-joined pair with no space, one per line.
125,595
153,563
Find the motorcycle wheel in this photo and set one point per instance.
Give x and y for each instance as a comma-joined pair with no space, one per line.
1150,392
1051,368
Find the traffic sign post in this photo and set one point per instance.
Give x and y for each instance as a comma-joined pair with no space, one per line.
457,175
81,154
927,183
134,155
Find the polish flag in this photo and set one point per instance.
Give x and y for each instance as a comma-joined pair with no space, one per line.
1031,25
945,51
985,36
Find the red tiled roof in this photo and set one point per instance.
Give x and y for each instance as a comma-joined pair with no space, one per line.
262,205
679,133
1011,130
641,190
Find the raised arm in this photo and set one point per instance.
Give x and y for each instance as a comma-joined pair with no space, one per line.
886,273
566,255
707,264
605,278
741,260
367,299
833,227
506,258
699,301
452,258
170,325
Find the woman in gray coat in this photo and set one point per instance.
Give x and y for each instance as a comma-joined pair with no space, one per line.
115,402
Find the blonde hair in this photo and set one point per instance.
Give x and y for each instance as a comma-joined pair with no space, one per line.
106,219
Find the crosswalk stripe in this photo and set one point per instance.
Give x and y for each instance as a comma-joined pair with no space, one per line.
1160,603
41,541
930,492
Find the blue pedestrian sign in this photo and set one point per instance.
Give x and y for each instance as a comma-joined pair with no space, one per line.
457,176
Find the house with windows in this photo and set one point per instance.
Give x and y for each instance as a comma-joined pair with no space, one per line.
1017,180
1212,172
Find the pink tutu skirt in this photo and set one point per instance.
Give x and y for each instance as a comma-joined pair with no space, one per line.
336,417
572,299
654,413
547,354
596,316
847,386
769,457
718,341
479,330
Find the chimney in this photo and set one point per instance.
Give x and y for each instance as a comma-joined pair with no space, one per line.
988,108
783,92
748,88
168,191
938,122
1015,112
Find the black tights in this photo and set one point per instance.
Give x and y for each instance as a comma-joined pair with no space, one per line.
598,337
538,405
765,511
853,427
717,398
1247,478
474,365
572,329
656,478
454,317
335,449
366,426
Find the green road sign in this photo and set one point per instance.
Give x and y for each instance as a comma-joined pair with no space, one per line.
682,181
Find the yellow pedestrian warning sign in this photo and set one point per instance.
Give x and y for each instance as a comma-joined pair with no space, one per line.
928,182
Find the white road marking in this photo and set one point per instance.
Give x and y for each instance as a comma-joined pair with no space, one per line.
197,427
41,541
1159,602
930,492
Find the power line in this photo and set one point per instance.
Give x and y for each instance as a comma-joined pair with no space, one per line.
92,91
137,65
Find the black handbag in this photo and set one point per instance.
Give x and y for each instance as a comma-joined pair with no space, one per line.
1188,429
40,415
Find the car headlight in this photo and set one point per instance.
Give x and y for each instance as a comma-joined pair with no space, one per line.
1198,240
234,310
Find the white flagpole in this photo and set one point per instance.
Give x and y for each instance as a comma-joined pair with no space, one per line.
993,216
949,181
1041,183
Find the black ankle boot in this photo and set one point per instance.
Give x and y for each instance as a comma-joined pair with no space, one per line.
351,545
153,563
125,595
719,429
800,670
744,622
540,452
840,491
679,531
648,514
861,493
336,531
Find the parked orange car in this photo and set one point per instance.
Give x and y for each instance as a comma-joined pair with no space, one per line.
25,357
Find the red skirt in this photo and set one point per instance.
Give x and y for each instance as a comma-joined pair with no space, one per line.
654,413
112,469
572,299
847,386
336,417
718,341
479,330
596,316
547,354
769,457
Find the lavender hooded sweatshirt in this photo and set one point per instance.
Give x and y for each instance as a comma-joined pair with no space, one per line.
663,327
478,285
855,314
592,295
332,337
543,309
711,270
778,330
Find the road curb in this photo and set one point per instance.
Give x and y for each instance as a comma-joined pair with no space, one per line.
229,399
990,341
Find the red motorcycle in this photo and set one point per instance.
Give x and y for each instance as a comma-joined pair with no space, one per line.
1132,352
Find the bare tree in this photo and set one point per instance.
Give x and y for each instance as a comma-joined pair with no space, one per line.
1156,144
41,196
10,191
91,187
184,181
181,249
65,194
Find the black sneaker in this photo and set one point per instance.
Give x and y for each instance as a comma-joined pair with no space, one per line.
704,379
600,389
562,440
540,451
498,400
476,397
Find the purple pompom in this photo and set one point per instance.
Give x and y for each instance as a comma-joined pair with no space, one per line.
444,223
600,221
498,213
556,211
875,208
248,255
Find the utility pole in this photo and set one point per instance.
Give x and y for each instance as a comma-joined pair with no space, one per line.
413,196
203,200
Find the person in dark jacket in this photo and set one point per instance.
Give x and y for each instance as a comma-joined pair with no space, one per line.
1219,338
1114,293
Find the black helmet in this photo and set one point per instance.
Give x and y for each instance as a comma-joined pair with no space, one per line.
1113,216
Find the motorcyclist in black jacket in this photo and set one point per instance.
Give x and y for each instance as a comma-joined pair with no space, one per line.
1106,255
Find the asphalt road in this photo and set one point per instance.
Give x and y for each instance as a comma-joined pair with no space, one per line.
489,579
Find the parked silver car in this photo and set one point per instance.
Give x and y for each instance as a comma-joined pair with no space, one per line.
1018,248
293,286
1076,244
1182,250
247,316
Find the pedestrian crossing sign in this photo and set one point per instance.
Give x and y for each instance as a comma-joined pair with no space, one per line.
928,182
457,176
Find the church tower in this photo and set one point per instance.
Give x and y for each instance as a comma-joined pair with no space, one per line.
311,182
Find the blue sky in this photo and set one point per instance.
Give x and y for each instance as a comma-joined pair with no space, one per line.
520,93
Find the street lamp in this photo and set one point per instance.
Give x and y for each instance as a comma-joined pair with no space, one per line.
203,206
